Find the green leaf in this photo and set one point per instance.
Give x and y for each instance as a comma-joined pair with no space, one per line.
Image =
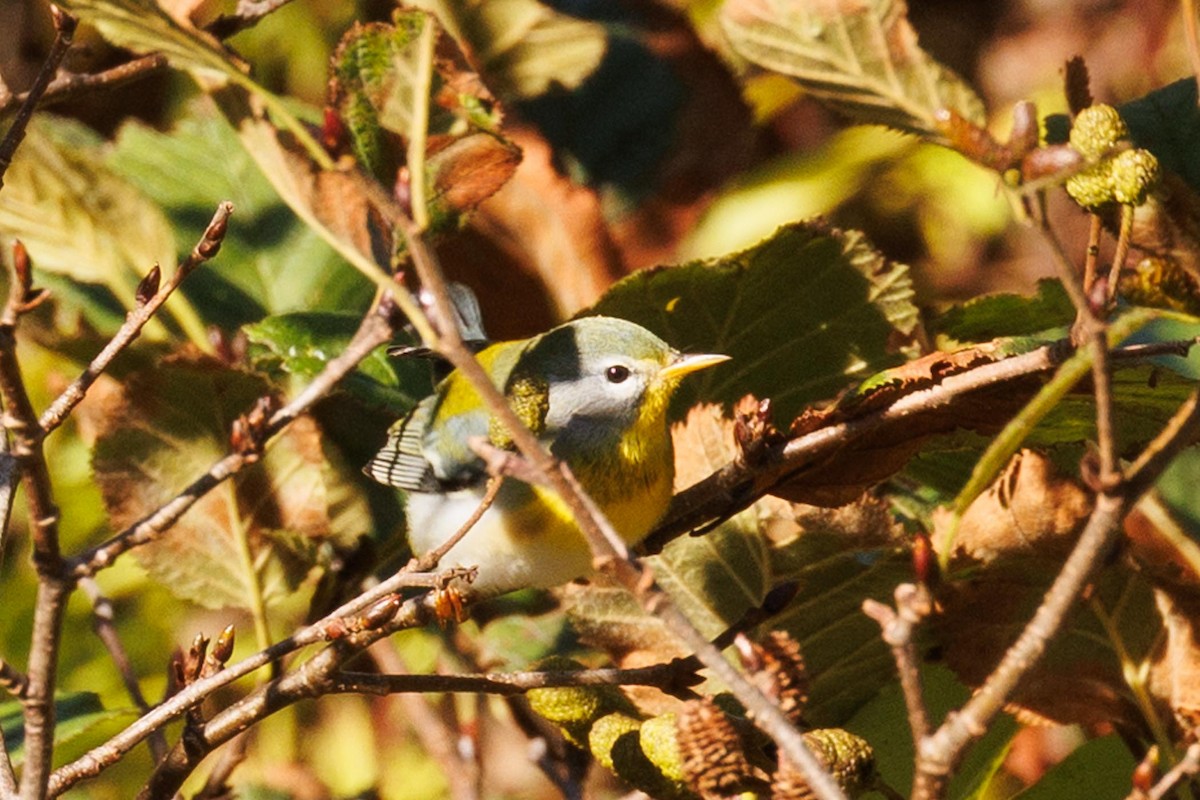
253,538
80,220
1100,769
1167,123
143,26
996,315
271,262
861,59
77,714
302,344
802,314
526,48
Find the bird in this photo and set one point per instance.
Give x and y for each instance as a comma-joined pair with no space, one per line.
595,391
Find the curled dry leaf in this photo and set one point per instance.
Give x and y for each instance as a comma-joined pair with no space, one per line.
1016,535
1029,510
1170,559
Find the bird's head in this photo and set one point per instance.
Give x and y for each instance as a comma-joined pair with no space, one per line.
606,374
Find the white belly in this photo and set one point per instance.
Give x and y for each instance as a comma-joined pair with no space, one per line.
541,558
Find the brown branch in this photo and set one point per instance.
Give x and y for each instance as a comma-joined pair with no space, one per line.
135,320
104,624
328,627
375,330
660,676
8,778
64,32
53,587
1179,432
72,85
312,678
913,604
939,754
1124,238
607,547
1187,767
1092,254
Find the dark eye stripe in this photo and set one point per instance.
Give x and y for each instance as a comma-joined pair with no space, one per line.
617,373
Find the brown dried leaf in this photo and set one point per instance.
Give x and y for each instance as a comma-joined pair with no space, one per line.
1017,534
163,429
1030,510
1170,559
552,228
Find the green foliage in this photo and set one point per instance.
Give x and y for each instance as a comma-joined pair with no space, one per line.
862,61
815,318
800,315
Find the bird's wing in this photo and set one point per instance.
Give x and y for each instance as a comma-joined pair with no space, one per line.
401,462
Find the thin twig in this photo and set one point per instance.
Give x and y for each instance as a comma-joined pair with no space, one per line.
939,753
104,623
1187,767
53,586
105,755
511,683
375,330
897,627
1092,254
135,320
72,85
1124,238
1179,432
429,561
64,32
12,680
435,733
312,678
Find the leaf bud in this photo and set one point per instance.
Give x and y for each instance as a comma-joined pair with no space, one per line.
849,758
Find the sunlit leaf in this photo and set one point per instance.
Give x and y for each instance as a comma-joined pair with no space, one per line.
78,218
303,343
78,715
271,262
860,58
525,47
802,314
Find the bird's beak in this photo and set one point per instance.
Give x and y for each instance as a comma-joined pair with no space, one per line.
683,364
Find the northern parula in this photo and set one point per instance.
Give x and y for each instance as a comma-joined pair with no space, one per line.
595,391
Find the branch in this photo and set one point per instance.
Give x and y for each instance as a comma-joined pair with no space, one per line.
333,626
151,296
679,672
913,603
104,624
375,330
72,85
64,32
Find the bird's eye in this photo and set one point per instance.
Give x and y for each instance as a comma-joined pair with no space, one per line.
616,373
